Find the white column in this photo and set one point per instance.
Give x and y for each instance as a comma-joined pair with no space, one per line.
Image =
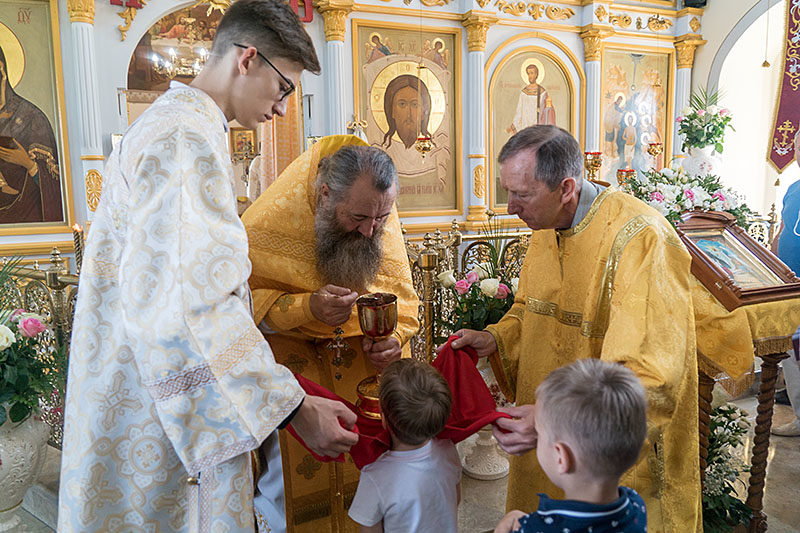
91,138
593,101
476,116
477,24
335,71
683,88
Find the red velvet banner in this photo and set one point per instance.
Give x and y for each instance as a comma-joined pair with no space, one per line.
787,113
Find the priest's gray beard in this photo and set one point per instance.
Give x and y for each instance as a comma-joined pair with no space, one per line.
346,258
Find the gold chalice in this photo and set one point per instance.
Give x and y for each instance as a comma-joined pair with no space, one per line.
377,316
592,161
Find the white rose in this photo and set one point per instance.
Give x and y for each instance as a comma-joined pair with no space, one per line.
712,109
489,287
660,207
514,285
7,337
447,279
686,111
483,270
668,173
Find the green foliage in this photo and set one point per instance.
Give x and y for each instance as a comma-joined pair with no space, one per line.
704,122
722,510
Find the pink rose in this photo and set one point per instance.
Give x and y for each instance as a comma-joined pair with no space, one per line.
657,196
688,193
724,112
719,196
462,285
472,277
701,112
680,119
502,291
30,327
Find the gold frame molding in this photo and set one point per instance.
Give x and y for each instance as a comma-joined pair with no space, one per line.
61,133
670,83
578,97
457,127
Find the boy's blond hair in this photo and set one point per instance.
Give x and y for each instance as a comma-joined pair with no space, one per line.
415,400
601,409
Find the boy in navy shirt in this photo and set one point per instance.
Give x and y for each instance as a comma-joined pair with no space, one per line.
591,421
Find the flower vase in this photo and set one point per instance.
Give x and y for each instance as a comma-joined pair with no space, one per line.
22,451
701,162
481,458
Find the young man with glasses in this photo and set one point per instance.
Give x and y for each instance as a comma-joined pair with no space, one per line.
170,382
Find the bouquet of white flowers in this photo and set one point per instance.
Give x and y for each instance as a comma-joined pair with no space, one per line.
703,123
670,191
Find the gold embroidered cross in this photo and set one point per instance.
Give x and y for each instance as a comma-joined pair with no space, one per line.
284,302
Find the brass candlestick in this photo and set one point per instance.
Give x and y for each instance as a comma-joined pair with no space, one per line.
592,161
377,316
77,238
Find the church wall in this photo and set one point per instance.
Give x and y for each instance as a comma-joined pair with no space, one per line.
560,37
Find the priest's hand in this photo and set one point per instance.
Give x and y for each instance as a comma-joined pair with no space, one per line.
381,353
510,522
518,434
332,305
482,341
317,422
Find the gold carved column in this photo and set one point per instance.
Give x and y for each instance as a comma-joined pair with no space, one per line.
593,36
477,24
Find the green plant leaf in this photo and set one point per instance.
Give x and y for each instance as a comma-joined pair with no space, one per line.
18,412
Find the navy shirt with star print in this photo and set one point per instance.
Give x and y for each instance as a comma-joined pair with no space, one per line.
626,515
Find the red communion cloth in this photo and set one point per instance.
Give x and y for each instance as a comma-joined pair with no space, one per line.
473,406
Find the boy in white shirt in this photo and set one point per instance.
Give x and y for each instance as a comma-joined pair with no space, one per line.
416,486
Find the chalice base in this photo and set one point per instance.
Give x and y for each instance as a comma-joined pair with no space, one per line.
368,403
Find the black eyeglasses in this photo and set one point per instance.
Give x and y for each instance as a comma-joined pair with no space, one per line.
286,92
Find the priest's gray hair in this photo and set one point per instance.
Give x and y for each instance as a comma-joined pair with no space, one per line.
597,408
556,154
341,169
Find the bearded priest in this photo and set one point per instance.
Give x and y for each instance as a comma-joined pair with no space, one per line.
326,231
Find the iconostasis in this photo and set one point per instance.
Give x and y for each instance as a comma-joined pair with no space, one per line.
439,85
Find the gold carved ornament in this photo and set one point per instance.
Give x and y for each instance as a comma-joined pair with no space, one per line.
656,23
94,186
622,20
694,24
81,11
479,181
483,3
559,13
684,52
434,3
477,26
334,13
600,13
591,43
536,11
517,8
